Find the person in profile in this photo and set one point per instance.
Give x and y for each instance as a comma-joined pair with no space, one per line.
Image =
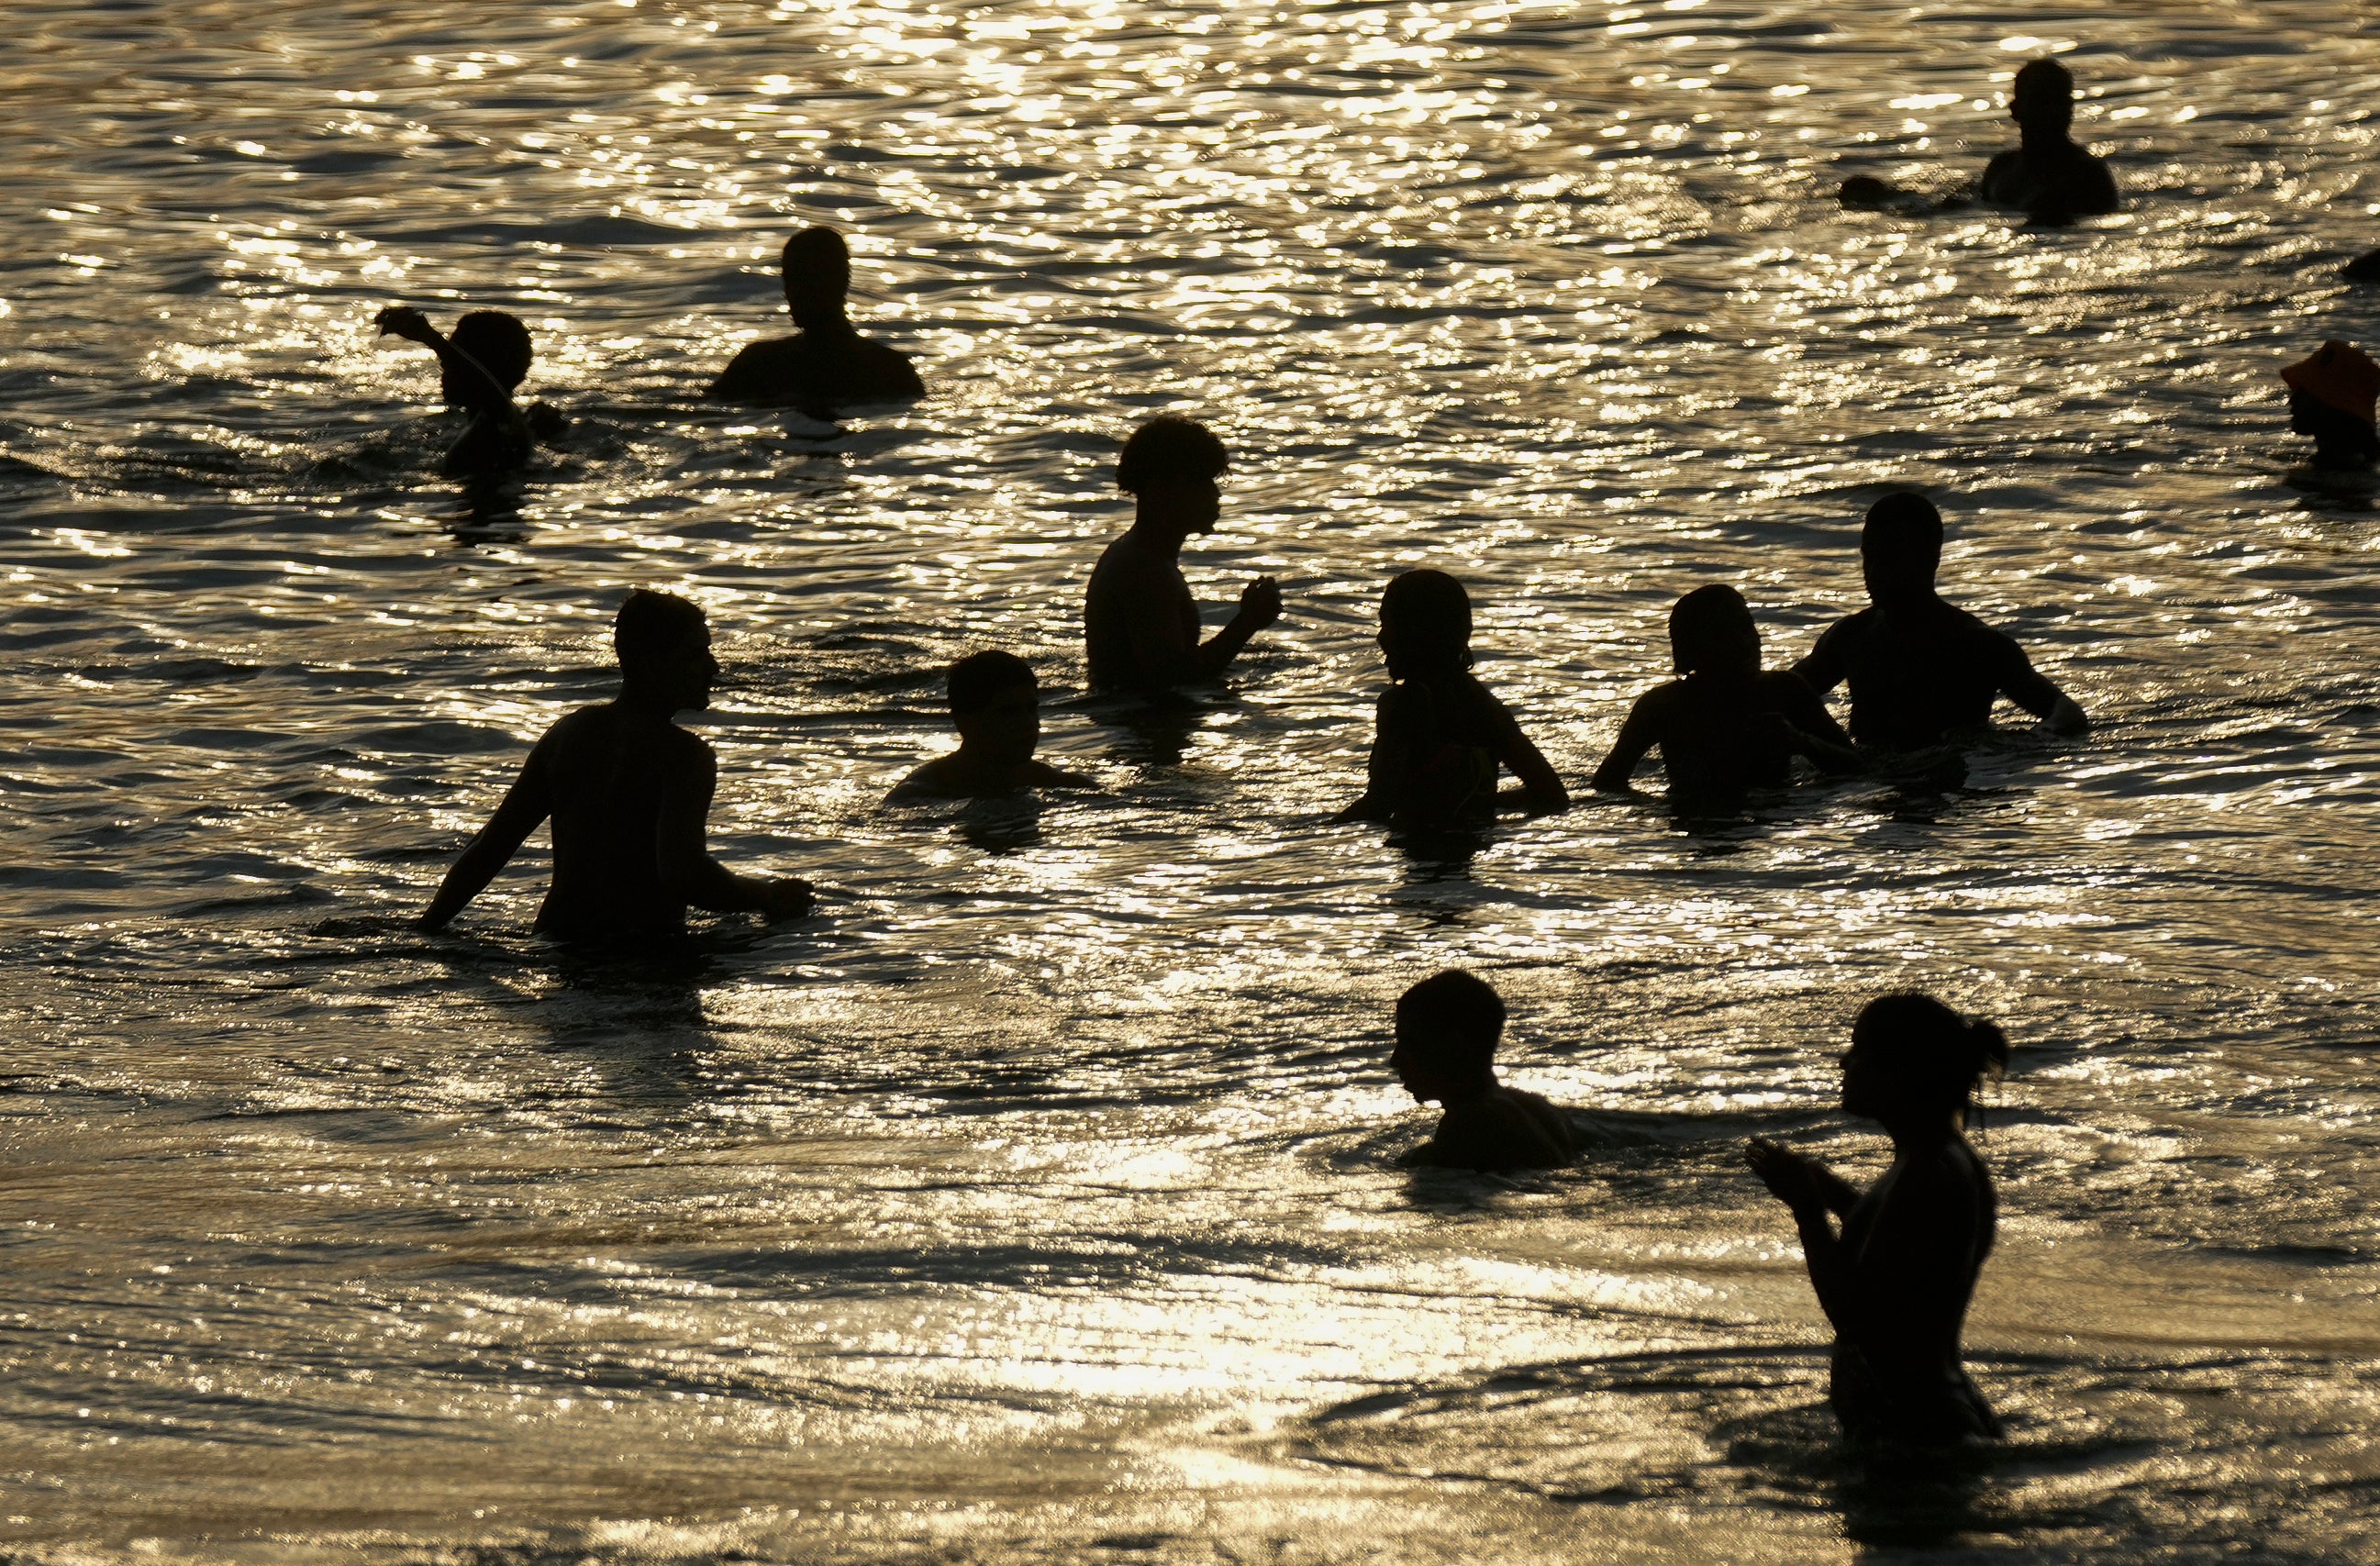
1725,727
1140,624
2331,397
480,367
1441,739
1919,669
1894,1279
2046,174
629,792
826,366
1447,1030
996,703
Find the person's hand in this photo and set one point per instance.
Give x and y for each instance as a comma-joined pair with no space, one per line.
404,321
1786,1173
1260,603
788,897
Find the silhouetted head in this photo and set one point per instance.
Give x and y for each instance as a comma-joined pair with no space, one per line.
996,703
1913,1059
817,267
1447,1029
1711,633
2338,376
664,644
1424,626
1864,190
1900,547
499,342
2043,99
1170,465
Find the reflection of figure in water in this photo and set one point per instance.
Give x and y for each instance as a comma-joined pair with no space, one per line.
996,703
1724,725
1919,669
826,365
1140,624
2331,395
1441,735
478,368
2046,174
1447,1029
1894,1280
629,792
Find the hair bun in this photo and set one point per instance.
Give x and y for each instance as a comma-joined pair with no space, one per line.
1990,1045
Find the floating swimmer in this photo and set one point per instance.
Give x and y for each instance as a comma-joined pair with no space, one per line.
2331,397
1896,1279
480,367
996,703
629,793
1919,669
2046,174
1725,725
1447,1029
826,366
1440,737
1140,624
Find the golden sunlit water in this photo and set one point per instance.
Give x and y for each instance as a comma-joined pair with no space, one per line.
1038,1202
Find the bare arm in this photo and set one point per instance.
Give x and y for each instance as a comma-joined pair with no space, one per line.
1379,802
1541,786
682,855
1823,670
526,805
2032,690
1637,737
404,321
1813,729
1259,607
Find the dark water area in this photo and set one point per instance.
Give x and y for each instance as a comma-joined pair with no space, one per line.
1037,1201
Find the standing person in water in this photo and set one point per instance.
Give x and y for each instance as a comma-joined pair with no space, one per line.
2046,174
1439,737
1140,624
2331,397
1725,725
826,366
1896,1278
478,368
629,793
1919,669
1447,1026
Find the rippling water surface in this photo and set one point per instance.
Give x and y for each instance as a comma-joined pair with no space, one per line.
1037,1201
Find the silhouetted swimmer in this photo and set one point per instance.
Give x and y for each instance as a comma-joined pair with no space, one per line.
1140,624
1447,1029
1919,669
480,367
2331,397
2364,268
1725,725
996,703
1894,1280
629,793
826,366
2046,174
1440,736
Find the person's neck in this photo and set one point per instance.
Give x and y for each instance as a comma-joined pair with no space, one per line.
1469,1093
1922,1133
651,706
833,323
2044,138
1158,534
1914,603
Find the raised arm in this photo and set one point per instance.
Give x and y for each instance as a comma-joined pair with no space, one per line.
682,855
525,806
1259,607
404,321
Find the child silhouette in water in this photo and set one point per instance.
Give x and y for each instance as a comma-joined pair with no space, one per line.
826,366
1447,1030
1896,1278
1725,725
1441,736
996,703
478,368
2331,398
628,790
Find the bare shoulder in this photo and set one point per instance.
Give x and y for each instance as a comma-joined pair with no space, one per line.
937,779
758,371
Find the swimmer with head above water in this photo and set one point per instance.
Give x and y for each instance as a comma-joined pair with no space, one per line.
1725,725
480,367
629,793
1896,1279
2331,398
996,703
1140,624
2046,174
1440,736
1919,669
826,366
1447,1029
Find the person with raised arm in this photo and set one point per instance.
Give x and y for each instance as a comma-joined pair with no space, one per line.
826,366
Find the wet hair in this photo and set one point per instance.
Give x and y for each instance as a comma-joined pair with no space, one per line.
816,256
979,676
652,624
498,341
2044,88
1903,528
1169,449
1710,627
1936,1052
1432,614
1454,1018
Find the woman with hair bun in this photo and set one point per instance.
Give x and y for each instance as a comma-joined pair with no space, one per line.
1896,1278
